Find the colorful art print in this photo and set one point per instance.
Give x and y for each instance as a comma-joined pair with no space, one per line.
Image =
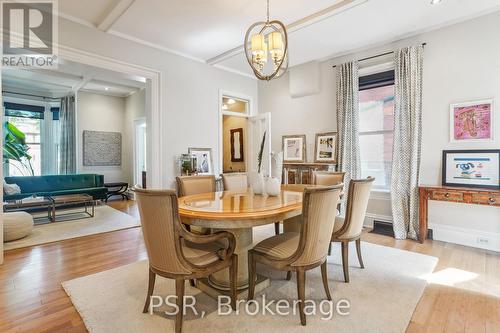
472,168
471,121
325,147
294,148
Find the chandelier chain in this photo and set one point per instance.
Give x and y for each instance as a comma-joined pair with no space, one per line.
267,11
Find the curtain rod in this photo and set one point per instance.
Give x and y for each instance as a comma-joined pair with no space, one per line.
15,93
378,55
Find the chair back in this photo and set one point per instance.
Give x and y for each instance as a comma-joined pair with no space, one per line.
357,202
328,178
190,185
319,208
234,181
160,228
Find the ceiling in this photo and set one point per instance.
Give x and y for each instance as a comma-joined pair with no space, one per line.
212,31
68,77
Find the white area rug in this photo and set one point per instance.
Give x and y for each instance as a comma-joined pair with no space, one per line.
383,297
105,219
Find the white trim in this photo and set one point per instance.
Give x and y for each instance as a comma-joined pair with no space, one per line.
137,121
235,71
221,113
465,236
490,101
155,125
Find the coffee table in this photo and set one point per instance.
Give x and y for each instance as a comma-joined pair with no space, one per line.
32,204
73,199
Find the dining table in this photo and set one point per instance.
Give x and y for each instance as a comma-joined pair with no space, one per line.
238,212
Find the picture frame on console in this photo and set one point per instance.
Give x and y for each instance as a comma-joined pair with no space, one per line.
325,148
471,168
472,121
204,161
294,148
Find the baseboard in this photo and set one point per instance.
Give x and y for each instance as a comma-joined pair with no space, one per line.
369,218
468,237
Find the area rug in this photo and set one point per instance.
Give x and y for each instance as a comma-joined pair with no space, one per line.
382,298
105,219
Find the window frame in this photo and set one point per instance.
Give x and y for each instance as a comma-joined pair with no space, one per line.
373,81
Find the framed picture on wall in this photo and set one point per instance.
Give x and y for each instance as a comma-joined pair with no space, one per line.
472,121
237,145
294,148
472,168
204,162
325,148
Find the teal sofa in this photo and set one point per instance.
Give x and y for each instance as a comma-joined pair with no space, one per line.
52,185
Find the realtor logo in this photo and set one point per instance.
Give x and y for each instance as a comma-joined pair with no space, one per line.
29,31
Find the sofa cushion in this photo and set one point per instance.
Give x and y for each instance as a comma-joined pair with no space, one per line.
34,184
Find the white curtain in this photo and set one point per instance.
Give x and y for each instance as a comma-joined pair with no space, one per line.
348,122
67,145
407,141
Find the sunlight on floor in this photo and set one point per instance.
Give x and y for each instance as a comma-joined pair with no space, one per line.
449,277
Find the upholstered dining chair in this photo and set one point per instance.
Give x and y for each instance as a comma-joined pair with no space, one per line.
175,253
328,178
234,181
305,250
191,185
349,228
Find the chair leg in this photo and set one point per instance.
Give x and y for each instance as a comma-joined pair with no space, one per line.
288,275
151,287
345,260
251,275
358,249
301,291
324,275
179,292
330,249
192,283
277,228
233,277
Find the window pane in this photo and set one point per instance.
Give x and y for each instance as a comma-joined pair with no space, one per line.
376,107
376,158
31,128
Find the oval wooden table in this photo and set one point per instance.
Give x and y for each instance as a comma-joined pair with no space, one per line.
238,211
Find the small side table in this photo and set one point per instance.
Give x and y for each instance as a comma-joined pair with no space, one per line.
118,188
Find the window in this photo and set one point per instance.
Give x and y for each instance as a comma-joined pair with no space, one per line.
376,127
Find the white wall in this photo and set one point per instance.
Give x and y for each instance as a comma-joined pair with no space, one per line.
461,63
134,110
101,113
189,89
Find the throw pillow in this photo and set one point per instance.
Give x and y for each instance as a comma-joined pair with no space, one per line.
10,189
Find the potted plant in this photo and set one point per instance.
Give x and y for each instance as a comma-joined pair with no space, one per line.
15,148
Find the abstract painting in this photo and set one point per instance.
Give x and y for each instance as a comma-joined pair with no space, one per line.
294,148
471,121
472,168
102,148
325,148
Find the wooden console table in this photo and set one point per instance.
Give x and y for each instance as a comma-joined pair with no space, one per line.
476,196
301,173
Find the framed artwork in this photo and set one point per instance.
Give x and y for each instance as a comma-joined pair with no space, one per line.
472,168
472,121
325,148
237,145
294,148
102,148
204,162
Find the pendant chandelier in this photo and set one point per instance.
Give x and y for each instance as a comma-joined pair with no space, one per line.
266,48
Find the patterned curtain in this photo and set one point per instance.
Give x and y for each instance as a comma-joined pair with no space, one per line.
67,144
348,123
407,141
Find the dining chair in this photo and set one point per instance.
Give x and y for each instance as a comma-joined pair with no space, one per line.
328,178
304,250
234,181
191,185
350,227
175,253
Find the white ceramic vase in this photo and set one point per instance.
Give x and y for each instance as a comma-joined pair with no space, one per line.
273,186
257,183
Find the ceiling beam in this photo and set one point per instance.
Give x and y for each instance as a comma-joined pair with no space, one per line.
86,79
113,14
296,25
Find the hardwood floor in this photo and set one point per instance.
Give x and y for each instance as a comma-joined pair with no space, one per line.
32,299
